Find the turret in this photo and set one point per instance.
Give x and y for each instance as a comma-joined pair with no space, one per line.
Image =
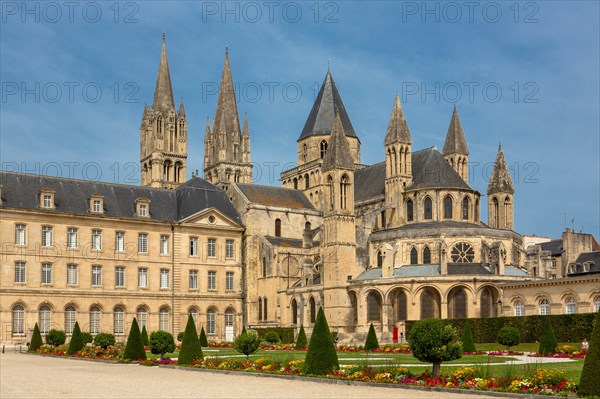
456,151
501,195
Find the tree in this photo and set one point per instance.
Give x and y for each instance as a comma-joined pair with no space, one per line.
589,384
432,341
56,337
36,339
104,340
468,344
371,342
301,341
134,349
508,336
548,342
321,357
161,342
243,329
86,337
203,339
247,344
76,343
190,345
145,336
272,337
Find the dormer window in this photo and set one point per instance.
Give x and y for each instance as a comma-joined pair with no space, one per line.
47,199
143,210
142,207
97,204
586,266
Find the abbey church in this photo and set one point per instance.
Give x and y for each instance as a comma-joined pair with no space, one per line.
399,240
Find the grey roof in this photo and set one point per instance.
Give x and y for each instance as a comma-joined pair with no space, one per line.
554,246
21,191
338,150
593,258
455,138
397,131
369,182
514,271
275,196
163,93
322,114
454,269
431,170
500,182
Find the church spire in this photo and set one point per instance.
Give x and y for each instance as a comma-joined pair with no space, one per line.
501,181
501,195
338,152
226,103
397,131
455,138
163,93
181,112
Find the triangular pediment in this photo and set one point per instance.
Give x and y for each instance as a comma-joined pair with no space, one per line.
210,217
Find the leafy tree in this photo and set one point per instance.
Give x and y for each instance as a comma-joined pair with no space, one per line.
321,357
145,340
161,342
371,343
203,339
244,330
76,343
86,337
180,336
134,349
104,340
272,337
247,344
508,336
548,342
190,345
36,339
56,337
468,344
432,341
589,384
301,341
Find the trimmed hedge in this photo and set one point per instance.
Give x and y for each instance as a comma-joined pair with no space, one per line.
285,333
190,345
36,339
567,327
371,342
468,344
321,357
301,341
134,349
589,384
548,342
76,344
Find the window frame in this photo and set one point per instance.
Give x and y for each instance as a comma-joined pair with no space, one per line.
211,248
142,276
211,281
119,241
20,272
46,273
96,240
193,246
20,234
119,276
164,244
229,281
72,271
72,237
96,276
193,279
18,319
142,243
164,282
229,249
47,233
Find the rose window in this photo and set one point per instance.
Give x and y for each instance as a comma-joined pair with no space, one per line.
462,253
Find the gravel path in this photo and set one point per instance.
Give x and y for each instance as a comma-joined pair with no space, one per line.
28,376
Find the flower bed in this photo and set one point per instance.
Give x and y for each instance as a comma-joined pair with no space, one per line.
505,353
560,355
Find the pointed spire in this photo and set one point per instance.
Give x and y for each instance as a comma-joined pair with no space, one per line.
398,128
338,150
181,112
501,181
455,139
163,93
246,130
226,103
207,131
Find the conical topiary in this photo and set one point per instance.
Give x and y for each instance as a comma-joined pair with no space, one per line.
301,341
203,339
468,344
589,384
321,357
190,345
76,343
134,350
371,343
145,340
548,342
36,339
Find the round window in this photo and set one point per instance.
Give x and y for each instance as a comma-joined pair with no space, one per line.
462,253
212,219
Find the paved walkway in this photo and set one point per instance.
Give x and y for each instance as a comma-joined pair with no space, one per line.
28,376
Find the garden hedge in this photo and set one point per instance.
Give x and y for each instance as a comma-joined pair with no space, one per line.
285,333
567,327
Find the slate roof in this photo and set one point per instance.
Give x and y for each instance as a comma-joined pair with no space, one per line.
21,191
593,258
554,246
431,170
455,138
322,114
472,269
397,131
275,196
369,182
338,151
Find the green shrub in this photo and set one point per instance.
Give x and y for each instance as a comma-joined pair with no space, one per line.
76,343
180,336
589,384
36,339
286,334
190,346
56,337
104,340
432,341
145,340
301,341
371,343
134,350
86,337
508,336
244,330
548,342
321,357
203,339
247,344
161,342
468,344
272,337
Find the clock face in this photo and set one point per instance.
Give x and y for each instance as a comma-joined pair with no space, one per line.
290,266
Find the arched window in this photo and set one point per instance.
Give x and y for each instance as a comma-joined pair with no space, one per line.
400,305
331,196
544,307
447,207
163,319
265,312
354,306
414,256
264,267
45,319
69,319
142,316
323,147
427,208
260,309
597,304
465,208
304,153
426,256
119,321
374,306
519,308
494,221
312,309
379,259
294,312
409,210
194,313
507,212
277,227
343,192
476,210
394,162
306,182
18,319
486,305
159,126
95,319
571,306
211,322
295,183
457,306
430,304
307,226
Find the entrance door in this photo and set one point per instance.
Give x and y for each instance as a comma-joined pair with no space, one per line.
229,326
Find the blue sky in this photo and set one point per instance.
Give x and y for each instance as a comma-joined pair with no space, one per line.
523,74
